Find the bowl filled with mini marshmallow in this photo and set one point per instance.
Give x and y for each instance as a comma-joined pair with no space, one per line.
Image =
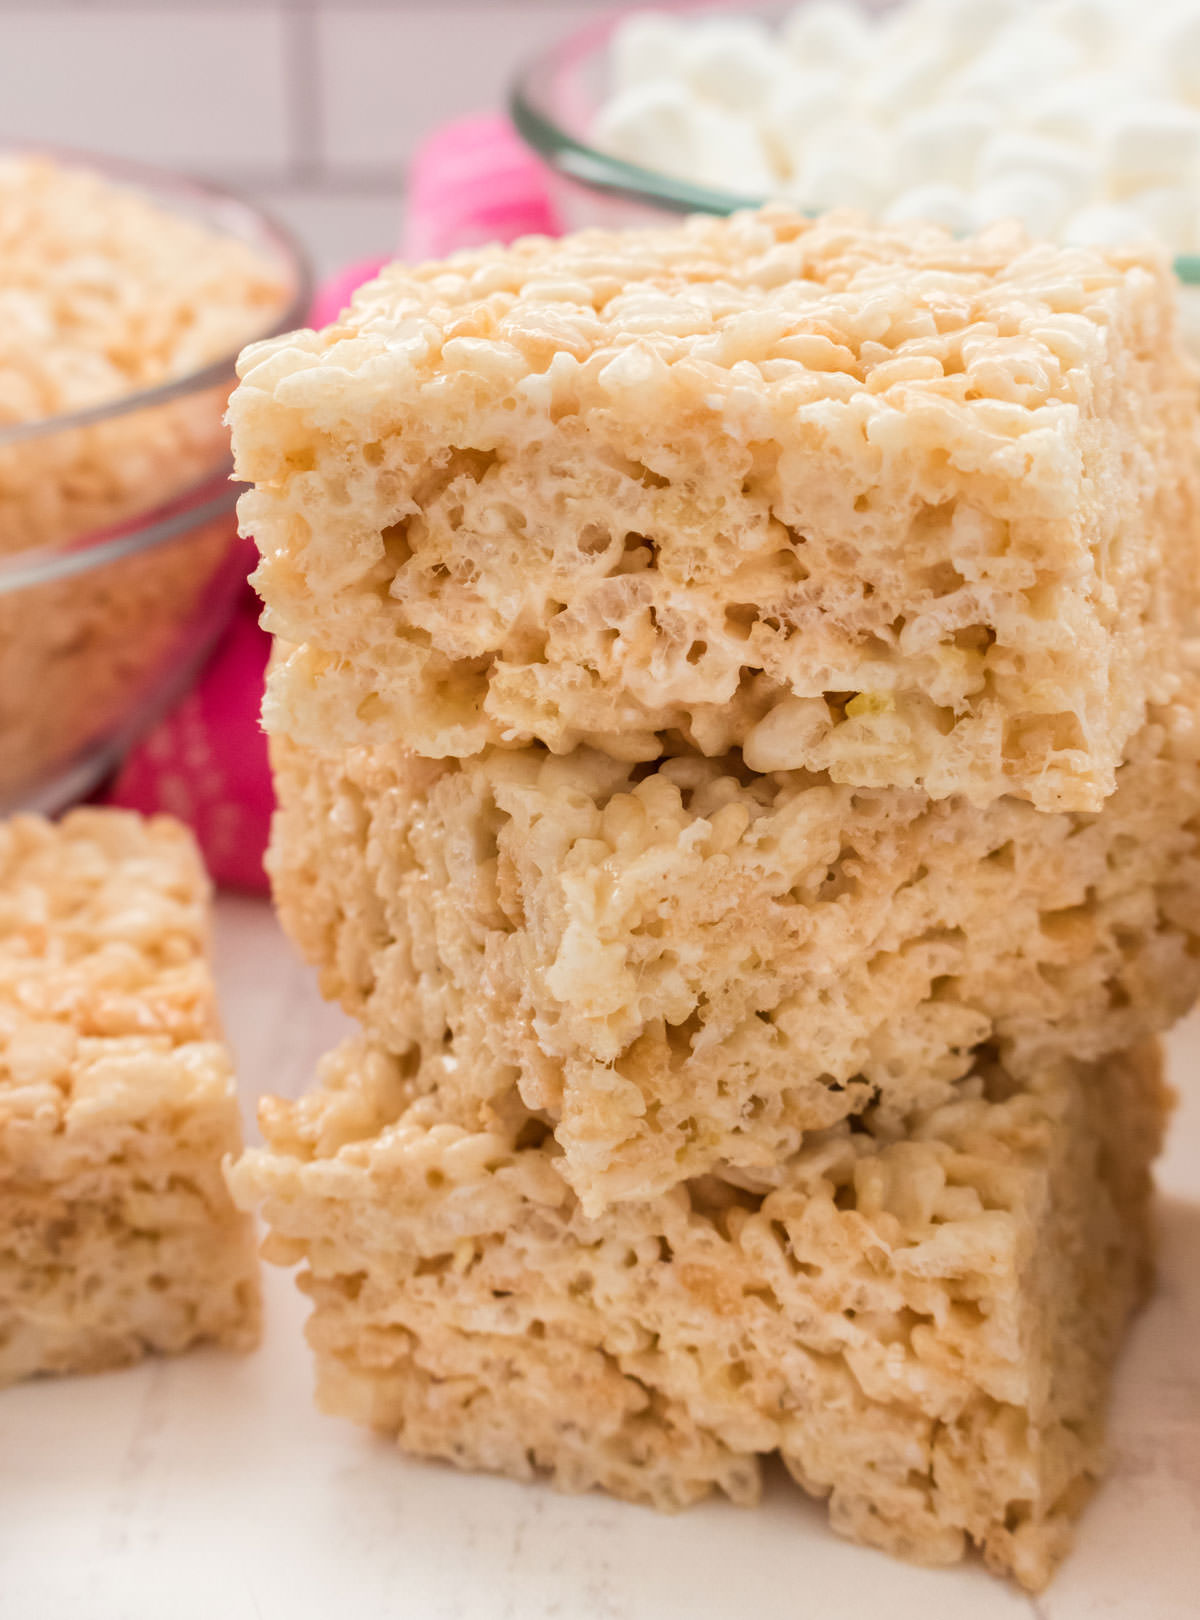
1080,118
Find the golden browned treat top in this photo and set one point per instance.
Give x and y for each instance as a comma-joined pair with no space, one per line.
820,309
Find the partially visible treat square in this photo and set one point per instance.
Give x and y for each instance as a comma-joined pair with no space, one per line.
923,1326
684,966
910,510
117,1102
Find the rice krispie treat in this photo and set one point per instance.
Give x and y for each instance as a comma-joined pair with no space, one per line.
685,965
873,501
922,1326
117,1103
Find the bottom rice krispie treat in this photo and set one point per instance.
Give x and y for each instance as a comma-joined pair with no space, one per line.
117,1102
922,1324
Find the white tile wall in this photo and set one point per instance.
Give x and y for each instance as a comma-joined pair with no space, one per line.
162,84
314,106
391,75
341,224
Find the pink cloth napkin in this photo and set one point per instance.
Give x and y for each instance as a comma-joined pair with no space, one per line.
206,762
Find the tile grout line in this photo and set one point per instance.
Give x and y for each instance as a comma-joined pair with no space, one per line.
324,185
303,91
343,179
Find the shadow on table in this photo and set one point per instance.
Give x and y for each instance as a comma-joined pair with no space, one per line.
1138,1552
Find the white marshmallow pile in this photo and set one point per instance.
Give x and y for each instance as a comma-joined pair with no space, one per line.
1081,118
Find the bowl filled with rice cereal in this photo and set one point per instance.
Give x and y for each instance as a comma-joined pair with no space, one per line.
125,296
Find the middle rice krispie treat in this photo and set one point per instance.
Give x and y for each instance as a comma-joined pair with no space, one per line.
910,510
683,966
923,1328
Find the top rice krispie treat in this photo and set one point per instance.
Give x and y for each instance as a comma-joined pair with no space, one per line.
878,502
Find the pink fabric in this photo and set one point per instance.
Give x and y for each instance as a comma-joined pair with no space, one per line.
474,182
334,294
206,763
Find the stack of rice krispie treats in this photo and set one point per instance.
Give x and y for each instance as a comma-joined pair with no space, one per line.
737,758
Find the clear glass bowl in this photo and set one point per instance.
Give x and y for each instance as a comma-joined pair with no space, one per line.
554,101
119,556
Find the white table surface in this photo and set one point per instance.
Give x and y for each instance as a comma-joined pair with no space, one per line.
207,1488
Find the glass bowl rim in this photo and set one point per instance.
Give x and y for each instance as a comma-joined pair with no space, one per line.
209,498
162,184
576,159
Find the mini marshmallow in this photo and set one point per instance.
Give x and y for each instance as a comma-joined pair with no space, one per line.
646,45
862,144
945,205
1010,153
963,27
826,35
1181,52
829,181
732,62
1189,317
1152,142
802,103
1104,225
1094,25
729,154
899,85
665,127
1078,111
1045,110
1038,201
941,143
846,165
1170,212
650,124
1023,63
